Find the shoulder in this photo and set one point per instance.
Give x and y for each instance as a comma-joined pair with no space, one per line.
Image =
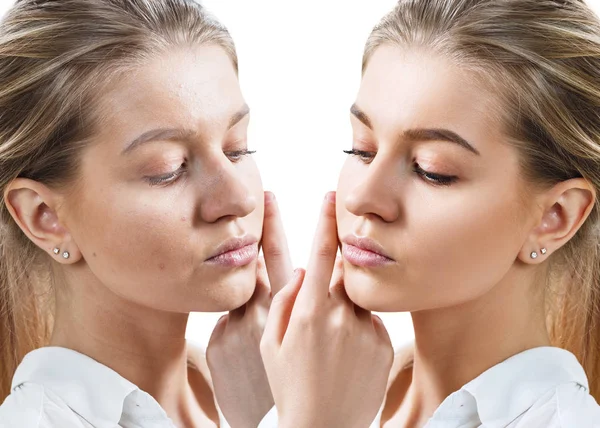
567,406
31,405
576,407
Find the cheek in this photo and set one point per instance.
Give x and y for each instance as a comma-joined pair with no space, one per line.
138,235
462,249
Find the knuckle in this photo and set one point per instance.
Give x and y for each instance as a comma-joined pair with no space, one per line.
325,250
273,250
306,316
340,320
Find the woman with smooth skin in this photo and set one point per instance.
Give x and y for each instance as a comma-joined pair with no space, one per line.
128,200
470,199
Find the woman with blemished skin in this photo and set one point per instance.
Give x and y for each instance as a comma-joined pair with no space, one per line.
129,198
470,199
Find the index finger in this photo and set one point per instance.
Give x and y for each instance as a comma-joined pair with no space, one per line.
275,247
322,258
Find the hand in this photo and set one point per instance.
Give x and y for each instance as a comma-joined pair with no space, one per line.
327,360
233,354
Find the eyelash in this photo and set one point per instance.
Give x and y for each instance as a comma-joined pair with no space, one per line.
167,178
436,179
235,157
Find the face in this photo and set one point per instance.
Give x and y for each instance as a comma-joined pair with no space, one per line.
431,209
169,206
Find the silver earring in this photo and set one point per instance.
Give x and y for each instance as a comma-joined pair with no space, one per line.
544,251
534,255
66,255
56,250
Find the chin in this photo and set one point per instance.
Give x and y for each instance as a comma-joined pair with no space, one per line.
374,293
230,291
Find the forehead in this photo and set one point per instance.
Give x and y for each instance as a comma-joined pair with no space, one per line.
189,86
416,87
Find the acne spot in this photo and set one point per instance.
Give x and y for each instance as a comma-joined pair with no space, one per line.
161,266
184,219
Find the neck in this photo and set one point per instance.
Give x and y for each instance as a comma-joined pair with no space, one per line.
146,346
455,345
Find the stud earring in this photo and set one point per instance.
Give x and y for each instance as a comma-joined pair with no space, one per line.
534,255
66,255
544,251
56,250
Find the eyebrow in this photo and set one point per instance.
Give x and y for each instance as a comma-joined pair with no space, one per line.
436,134
179,133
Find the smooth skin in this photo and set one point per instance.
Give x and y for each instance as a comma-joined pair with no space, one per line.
318,347
457,224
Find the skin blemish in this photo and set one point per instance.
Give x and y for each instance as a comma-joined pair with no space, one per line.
161,266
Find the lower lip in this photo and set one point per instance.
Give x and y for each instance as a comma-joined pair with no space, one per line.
236,258
364,258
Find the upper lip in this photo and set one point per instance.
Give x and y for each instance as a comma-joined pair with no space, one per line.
365,243
233,244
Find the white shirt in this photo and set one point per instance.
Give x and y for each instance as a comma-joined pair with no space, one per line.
543,387
56,387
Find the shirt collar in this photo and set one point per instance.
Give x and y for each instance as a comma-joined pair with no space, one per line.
91,389
508,389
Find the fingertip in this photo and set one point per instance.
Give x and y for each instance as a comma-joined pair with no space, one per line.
330,197
329,205
269,197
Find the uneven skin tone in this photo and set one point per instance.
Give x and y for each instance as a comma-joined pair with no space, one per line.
457,224
141,223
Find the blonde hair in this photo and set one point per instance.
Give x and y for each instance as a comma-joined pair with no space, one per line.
543,58
55,57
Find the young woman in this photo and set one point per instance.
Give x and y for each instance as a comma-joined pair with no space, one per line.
470,199
127,200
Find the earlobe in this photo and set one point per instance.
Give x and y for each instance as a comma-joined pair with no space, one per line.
33,208
568,205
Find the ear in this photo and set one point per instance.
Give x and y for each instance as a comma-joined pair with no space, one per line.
565,208
34,206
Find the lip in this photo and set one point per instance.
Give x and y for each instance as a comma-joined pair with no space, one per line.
235,252
364,252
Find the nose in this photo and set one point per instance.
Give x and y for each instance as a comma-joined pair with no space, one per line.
228,195
377,194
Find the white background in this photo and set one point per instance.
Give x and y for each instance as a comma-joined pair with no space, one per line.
300,65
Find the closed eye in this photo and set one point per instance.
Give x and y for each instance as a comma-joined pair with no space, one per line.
366,157
238,155
166,178
437,179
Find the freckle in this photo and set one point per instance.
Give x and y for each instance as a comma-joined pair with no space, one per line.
161,266
94,254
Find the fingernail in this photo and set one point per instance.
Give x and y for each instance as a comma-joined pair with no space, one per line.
330,197
269,197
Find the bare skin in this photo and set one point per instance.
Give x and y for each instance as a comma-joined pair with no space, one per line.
318,347
456,225
142,225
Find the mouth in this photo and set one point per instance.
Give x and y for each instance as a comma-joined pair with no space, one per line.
235,252
364,252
